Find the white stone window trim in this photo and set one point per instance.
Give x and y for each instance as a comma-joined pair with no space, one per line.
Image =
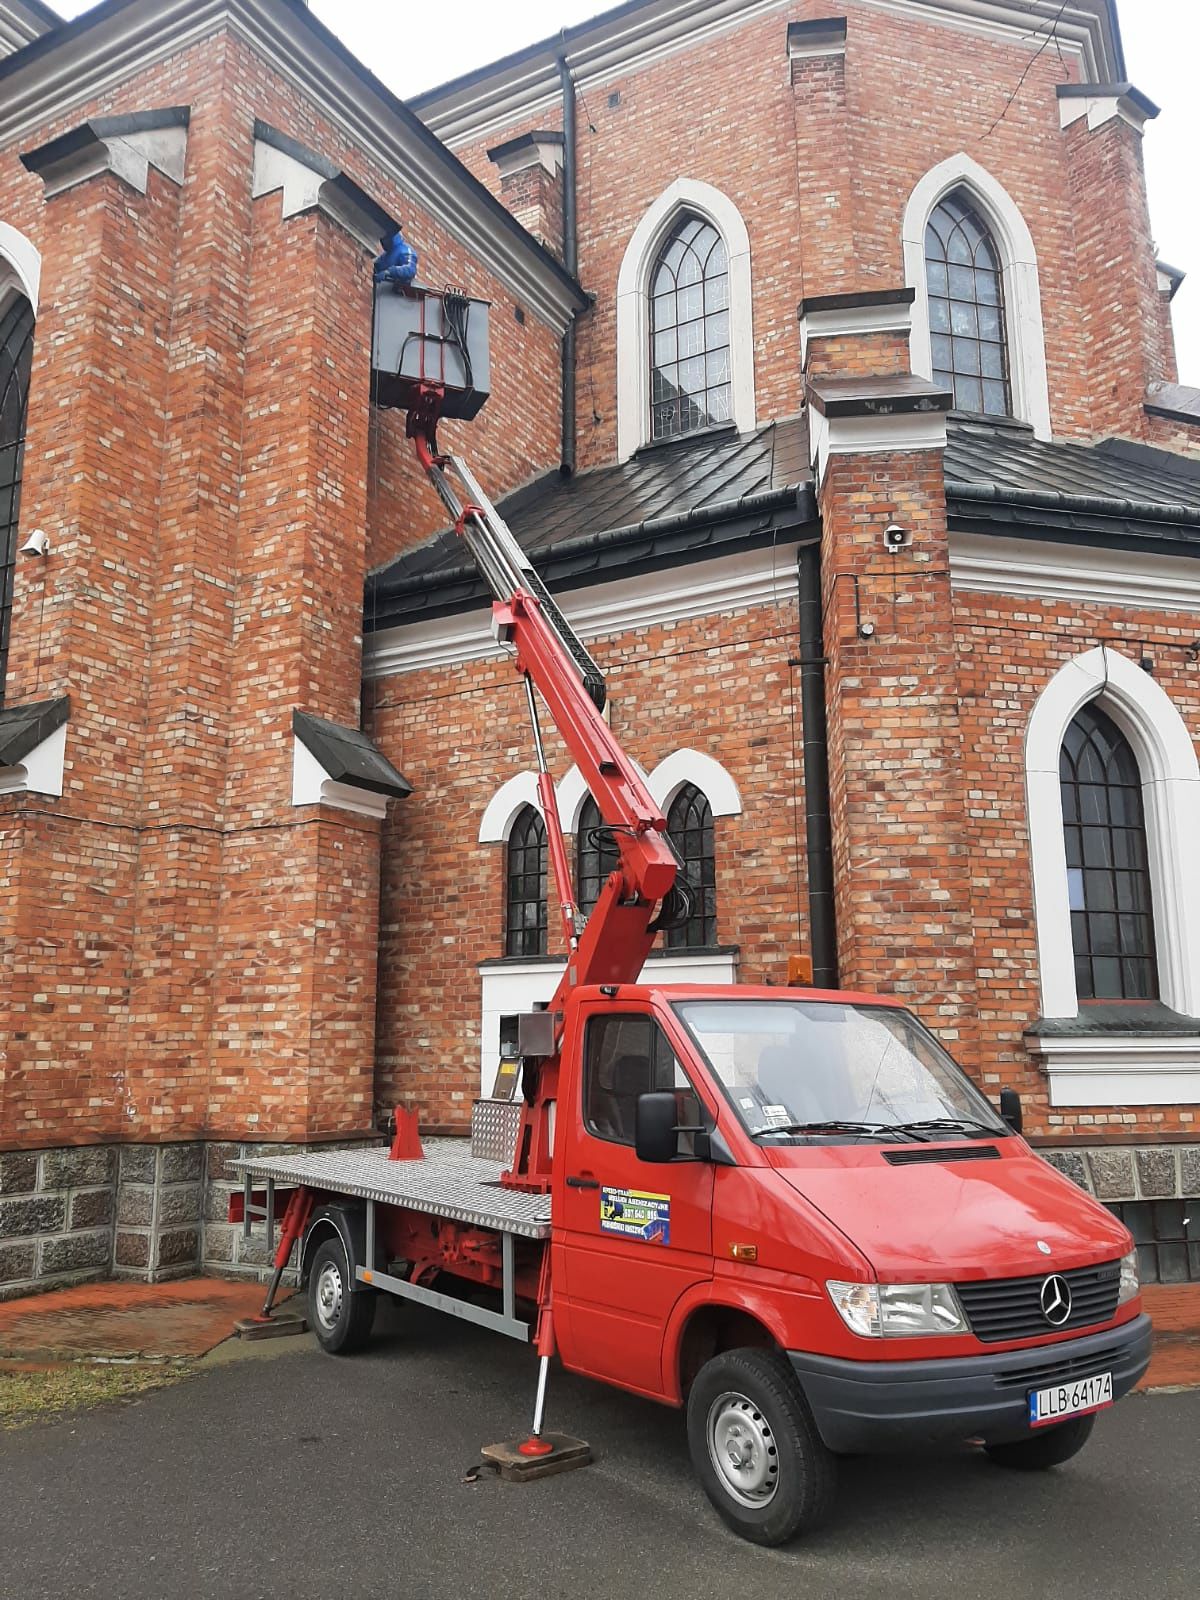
1110,1070
633,307
1022,281
571,792
1166,758
20,266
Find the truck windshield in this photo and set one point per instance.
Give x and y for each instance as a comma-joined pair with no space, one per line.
799,1069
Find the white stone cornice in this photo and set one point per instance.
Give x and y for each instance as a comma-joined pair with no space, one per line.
724,584
630,39
312,786
1120,1070
879,434
129,39
1081,575
41,770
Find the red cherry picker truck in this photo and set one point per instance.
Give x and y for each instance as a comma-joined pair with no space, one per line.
784,1209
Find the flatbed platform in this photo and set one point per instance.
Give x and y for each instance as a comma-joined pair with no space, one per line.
448,1182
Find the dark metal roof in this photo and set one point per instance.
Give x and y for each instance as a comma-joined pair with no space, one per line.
998,476
1176,400
681,501
706,494
23,728
348,756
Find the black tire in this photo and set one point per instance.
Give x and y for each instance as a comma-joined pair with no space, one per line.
342,1321
1043,1450
756,1449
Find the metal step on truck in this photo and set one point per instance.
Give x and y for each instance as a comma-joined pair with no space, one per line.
784,1209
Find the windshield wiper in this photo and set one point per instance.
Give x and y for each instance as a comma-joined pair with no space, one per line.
934,1125
912,1129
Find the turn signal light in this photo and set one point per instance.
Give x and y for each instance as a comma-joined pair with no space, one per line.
744,1252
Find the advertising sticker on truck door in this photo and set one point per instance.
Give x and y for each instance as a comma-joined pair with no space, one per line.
636,1214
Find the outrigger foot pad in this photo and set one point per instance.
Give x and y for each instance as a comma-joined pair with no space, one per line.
515,1464
269,1327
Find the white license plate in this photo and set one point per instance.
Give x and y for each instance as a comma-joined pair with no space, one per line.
1070,1400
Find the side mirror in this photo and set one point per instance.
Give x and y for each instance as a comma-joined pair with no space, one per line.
1010,1109
655,1130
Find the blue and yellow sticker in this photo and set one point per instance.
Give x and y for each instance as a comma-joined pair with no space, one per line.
636,1214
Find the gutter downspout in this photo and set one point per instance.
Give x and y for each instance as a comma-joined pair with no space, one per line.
822,915
571,263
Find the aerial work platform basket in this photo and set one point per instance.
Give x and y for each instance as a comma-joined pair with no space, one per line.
428,336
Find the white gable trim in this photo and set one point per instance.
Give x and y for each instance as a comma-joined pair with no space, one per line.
633,314
1171,793
1022,282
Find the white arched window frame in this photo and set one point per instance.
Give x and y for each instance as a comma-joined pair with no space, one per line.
1022,282
20,266
1170,775
633,307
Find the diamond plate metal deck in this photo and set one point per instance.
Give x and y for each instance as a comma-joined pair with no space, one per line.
449,1182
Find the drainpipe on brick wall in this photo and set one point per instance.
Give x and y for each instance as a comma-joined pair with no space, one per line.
822,923
571,263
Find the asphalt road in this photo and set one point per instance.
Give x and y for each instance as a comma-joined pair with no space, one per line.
297,1475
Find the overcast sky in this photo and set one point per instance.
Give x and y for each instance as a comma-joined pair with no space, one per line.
412,48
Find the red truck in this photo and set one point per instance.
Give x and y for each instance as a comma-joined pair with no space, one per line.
784,1209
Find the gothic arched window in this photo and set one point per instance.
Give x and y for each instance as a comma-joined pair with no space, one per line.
596,856
16,359
967,323
1108,871
689,331
690,825
525,884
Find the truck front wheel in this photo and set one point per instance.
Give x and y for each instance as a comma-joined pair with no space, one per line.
1047,1449
756,1449
340,1319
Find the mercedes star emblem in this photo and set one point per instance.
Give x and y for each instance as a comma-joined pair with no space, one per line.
1056,1300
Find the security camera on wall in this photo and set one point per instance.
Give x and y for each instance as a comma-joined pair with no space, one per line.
37,544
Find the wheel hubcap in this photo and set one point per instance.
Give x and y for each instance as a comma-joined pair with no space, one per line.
742,1449
328,1297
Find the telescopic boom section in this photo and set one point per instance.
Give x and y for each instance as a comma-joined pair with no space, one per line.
618,936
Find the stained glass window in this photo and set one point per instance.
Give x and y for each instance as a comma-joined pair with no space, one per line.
689,331
966,308
16,359
1108,873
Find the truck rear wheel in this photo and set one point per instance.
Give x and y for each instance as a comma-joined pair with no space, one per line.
341,1320
756,1449
1042,1450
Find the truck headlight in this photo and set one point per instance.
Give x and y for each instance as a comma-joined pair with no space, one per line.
897,1310
1131,1284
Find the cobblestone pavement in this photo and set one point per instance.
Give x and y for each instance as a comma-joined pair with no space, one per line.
288,1472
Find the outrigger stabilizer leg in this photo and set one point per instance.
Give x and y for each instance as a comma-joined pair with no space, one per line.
539,1454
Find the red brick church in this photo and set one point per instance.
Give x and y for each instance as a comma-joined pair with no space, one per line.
834,397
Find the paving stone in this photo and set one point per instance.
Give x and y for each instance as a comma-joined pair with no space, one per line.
135,1204
181,1163
1189,1165
1112,1173
31,1214
77,1250
179,1203
78,1169
1157,1175
17,1262
132,1250
139,1163
18,1173
91,1208
178,1247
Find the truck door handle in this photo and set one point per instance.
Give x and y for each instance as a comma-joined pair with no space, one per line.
581,1183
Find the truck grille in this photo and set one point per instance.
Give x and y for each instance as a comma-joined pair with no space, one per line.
1066,1371
1011,1308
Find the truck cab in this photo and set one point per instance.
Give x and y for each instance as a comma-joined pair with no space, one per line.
808,1175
